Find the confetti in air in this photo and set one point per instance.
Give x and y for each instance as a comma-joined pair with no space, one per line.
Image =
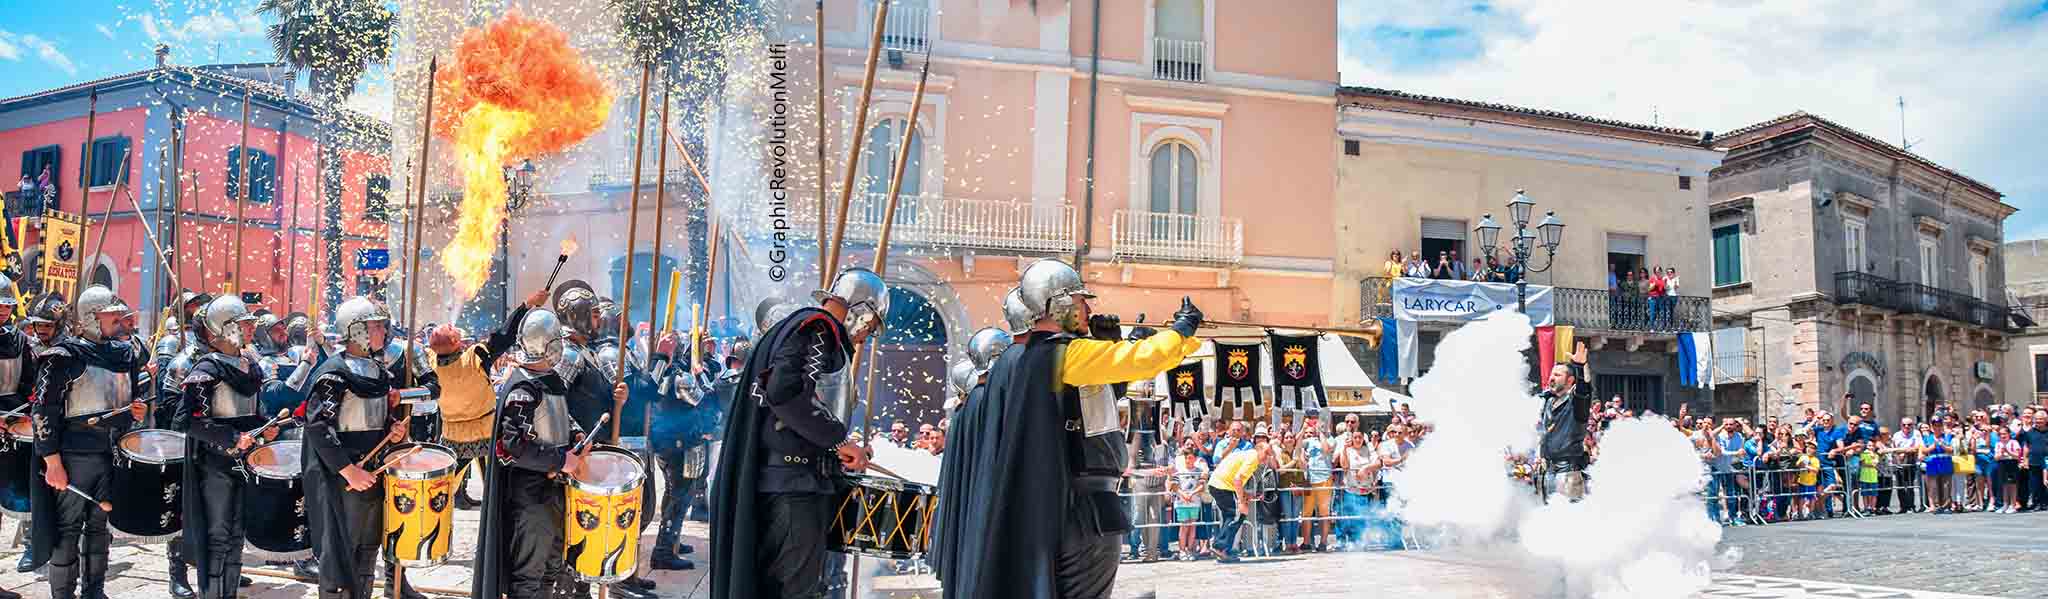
517,90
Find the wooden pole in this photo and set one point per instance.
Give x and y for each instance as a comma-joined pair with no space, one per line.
660,200
632,239
92,112
710,281
291,268
819,36
412,223
830,267
151,235
235,279
107,214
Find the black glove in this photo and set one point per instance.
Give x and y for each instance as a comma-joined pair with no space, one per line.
1140,333
1105,327
1188,318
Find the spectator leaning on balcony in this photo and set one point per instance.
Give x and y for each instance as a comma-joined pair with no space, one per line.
1653,291
1671,296
1417,267
1479,272
1395,266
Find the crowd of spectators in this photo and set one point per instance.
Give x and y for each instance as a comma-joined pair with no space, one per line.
1447,266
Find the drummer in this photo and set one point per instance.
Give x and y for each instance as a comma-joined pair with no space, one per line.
171,367
351,413
220,414
17,368
88,376
468,401
524,505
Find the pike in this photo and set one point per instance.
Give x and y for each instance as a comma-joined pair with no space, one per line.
818,19
235,279
107,215
291,277
632,233
830,267
660,201
412,222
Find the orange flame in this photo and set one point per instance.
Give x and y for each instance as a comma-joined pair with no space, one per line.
517,90
569,246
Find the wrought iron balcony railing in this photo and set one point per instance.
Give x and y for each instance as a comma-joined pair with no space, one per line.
935,221
1913,298
1166,236
1588,308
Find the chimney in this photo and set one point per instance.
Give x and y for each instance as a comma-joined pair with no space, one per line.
163,55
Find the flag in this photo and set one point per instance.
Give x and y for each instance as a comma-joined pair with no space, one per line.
1237,374
1546,351
1687,376
1390,351
1566,345
1184,391
1297,375
1411,349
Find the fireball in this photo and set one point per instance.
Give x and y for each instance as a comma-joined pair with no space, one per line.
517,90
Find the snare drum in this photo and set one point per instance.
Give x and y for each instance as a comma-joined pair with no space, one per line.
883,517
274,504
419,506
17,455
602,532
149,487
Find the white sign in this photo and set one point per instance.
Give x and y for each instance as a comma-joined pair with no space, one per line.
1461,301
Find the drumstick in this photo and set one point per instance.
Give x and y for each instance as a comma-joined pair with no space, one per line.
382,442
95,419
583,447
105,506
396,459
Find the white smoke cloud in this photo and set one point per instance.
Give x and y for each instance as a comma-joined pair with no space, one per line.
1641,531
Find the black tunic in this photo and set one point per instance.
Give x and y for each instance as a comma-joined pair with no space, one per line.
513,446
58,366
1564,421
328,451
1008,508
209,442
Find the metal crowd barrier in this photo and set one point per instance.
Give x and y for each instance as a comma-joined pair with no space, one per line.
1260,531
1768,494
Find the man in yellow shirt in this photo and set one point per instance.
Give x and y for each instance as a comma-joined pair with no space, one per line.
1039,511
1227,487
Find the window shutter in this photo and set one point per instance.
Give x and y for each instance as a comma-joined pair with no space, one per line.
83,169
234,176
1620,243
1438,228
1728,255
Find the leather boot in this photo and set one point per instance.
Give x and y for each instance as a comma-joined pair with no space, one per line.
94,583
636,583
63,581
181,581
308,569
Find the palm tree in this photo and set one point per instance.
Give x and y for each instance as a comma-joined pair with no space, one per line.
685,36
336,41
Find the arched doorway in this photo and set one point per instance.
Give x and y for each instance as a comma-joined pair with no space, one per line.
1982,397
1930,395
1862,390
910,363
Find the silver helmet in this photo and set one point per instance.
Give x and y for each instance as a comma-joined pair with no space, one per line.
7,292
1016,313
93,301
963,375
771,311
540,338
352,320
866,297
169,344
986,344
223,318
1049,287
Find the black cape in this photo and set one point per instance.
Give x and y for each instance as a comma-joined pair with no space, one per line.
953,481
736,515
332,542
42,529
193,501
488,579
1005,522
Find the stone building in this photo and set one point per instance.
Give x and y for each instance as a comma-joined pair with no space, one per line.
1846,265
2026,286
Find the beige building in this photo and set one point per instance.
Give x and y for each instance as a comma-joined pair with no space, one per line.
1417,172
1859,269
2026,358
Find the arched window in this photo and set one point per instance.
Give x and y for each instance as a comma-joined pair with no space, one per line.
879,154
1175,189
101,275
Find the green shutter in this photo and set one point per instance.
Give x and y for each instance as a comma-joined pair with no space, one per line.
1728,255
234,177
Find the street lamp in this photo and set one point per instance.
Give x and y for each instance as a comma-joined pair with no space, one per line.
1524,243
519,184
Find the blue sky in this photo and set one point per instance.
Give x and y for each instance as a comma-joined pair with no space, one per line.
1971,73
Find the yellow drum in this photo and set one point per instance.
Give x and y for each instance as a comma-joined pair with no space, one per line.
419,506
602,535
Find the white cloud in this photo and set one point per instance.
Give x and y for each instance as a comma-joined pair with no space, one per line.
104,30
12,45
1971,73
207,27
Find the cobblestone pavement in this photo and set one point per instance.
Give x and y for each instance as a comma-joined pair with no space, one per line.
1986,554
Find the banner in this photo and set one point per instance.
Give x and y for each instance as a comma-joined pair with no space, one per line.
1184,391
1237,374
1297,373
61,252
1462,301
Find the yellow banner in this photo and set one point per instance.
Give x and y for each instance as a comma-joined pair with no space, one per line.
62,253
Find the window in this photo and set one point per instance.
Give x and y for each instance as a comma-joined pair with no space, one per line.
1853,239
106,160
1684,182
1444,239
1175,175
1351,147
35,165
1930,261
1728,255
1624,253
1179,48
262,170
644,269
376,199
2040,372
1641,393
879,156
1977,268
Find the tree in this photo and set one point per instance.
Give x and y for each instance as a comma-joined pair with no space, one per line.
336,42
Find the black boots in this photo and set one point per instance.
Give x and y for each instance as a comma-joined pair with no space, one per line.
308,569
94,585
181,581
404,587
63,580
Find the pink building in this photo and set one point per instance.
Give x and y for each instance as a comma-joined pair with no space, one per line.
177,130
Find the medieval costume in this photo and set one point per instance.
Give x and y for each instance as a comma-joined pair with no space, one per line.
17,379
84,393
1049,395
219,408
349,413
176,353
691,402
777,472
969,378
468,402
521,554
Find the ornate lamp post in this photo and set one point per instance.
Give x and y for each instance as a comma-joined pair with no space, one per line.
519,184
1524,243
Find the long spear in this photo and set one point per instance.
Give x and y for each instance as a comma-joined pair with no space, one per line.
107,215
819,36
660,201
235,279
632,238
830,267
710,281
882,259
412,276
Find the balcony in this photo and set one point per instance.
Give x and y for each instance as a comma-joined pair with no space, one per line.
1736,367
1579,307
907,28
1866,289
999,225
620,176
1179,60
1187,238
